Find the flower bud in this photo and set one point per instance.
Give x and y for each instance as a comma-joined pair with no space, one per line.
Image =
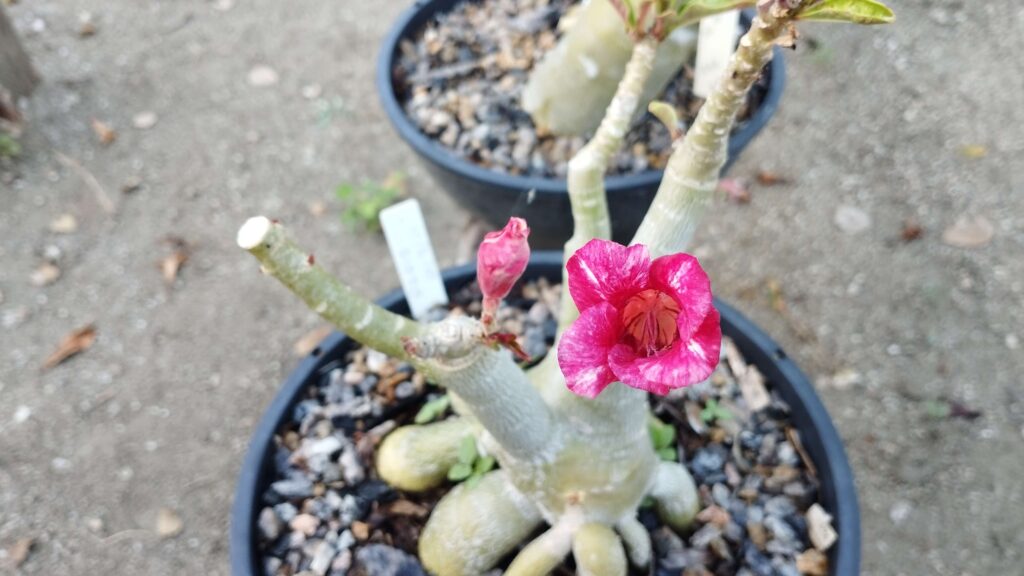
501,260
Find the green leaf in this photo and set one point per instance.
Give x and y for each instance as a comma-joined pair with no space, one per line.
647,502
432,410
662,434
667,454
9,147
473,480
459,472
483,465
467,450
856,11
694,10
362,204
666,113
712,411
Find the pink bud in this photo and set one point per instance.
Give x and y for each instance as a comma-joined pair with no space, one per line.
500,261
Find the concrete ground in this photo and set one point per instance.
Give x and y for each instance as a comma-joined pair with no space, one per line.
921,120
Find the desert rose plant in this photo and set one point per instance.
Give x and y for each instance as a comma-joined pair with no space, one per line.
570,434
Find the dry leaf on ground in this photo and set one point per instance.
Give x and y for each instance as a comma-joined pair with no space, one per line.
969,232
45,275
768,178
912,230
104,133
735,190
168,523
64,224
19,551
303,346
77,341
171,264
974,151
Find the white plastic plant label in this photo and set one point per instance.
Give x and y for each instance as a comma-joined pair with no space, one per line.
716,42
409,243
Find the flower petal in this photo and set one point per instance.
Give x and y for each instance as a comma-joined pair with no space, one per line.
583,350
682,276
605,271
686,362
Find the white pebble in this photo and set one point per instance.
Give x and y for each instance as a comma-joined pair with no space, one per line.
852,220
22,414
262,76
145,120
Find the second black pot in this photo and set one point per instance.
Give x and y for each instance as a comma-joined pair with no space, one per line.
544,202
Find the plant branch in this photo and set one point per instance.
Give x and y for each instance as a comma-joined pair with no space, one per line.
691,175
493,389
326,295
587,168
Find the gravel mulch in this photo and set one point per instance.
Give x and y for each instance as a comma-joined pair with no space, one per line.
460,80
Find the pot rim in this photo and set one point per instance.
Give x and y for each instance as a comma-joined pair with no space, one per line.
836,482
410,21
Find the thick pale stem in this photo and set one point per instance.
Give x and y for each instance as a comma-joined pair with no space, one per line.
691,175
637,540
546,552
322,292
497,394
490,385
588,166
472,527
598,551
569,90
417,458
675,495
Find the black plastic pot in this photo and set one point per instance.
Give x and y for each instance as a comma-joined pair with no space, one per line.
497,195
837,490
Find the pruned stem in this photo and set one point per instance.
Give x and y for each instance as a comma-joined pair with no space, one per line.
691,175
587,168
326,295
494,391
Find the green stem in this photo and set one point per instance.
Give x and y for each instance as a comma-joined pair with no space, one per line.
493,390
326,295
587,168
691,175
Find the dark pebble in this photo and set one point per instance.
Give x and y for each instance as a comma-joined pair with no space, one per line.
707,464
303,409
375,490
383,560
757,562
292,489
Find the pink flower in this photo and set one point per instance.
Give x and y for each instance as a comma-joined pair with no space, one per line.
500,261
650,325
